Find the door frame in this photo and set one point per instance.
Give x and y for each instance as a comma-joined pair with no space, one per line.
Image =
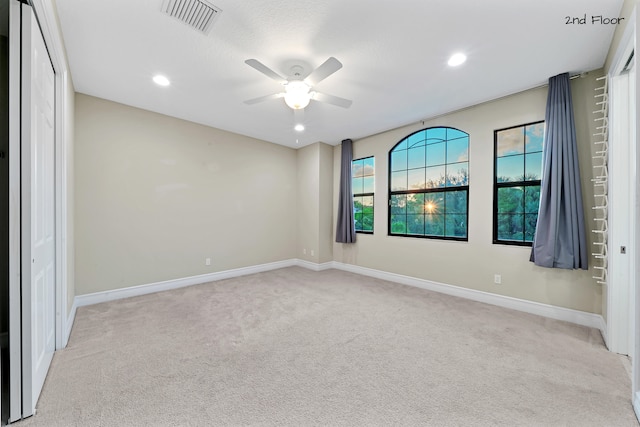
622,211
47,18
621,329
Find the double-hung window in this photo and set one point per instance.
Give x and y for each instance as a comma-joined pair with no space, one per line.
362,185
518,170
429,185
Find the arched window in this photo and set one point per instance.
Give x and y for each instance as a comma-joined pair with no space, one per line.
429,184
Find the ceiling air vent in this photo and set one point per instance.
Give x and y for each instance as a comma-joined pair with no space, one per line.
198,14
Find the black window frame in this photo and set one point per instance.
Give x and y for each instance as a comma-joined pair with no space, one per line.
497,185
372,195
462,188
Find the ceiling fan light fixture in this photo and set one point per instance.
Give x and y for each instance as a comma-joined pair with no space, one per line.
298,91
161,80
297,94
457,59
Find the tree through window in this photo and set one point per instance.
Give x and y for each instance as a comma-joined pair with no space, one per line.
429,185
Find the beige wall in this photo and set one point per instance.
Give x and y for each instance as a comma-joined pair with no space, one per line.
315,203
155,196
473,264
308,173
583,91
326,235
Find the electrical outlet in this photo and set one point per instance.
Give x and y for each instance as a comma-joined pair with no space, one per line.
312,252
304,251
207,261
497,279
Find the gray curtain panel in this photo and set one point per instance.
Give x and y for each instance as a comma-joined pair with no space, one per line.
345,229
560,240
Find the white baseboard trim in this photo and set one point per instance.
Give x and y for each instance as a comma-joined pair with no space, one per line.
105,296
559,313
603,330
70,319
553,312
314,266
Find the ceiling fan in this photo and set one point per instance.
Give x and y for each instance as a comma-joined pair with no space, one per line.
298,90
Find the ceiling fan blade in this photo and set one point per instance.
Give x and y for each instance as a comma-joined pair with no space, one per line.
264,98
330,99
329,67
254,63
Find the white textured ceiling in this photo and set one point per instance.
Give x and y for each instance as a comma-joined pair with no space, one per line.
394,56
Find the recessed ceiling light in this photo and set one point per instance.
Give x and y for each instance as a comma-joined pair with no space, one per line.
161,80
457,59
299,127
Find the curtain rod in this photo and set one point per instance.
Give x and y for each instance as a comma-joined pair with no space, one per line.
571,77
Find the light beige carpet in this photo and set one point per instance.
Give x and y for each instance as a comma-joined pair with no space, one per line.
294,347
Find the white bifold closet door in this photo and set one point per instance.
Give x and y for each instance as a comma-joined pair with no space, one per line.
38,212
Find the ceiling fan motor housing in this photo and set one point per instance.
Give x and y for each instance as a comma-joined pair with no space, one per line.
297,71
